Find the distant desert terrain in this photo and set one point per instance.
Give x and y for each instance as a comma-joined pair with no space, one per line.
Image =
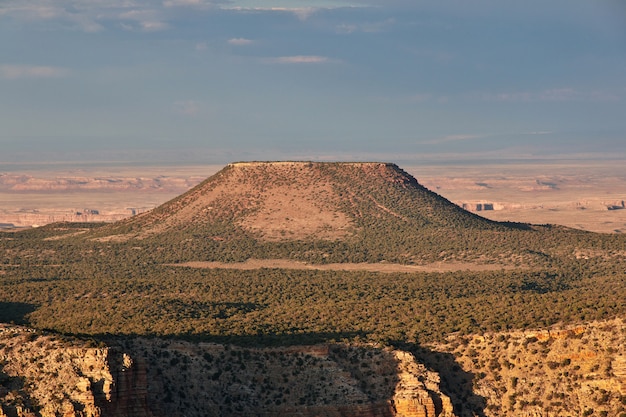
579,194
587,195
40,194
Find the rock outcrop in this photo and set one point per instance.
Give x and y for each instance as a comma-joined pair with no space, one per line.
572,371
417,392
50,376
47,375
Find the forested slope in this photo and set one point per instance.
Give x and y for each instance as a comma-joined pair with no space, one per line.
122,278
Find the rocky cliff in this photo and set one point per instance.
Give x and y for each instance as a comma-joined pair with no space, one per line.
48,375
573,371
325,380
570,371
417,390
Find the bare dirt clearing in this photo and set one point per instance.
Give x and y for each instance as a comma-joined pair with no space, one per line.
251,264
294,214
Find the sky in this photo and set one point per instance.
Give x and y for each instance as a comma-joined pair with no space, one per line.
231,80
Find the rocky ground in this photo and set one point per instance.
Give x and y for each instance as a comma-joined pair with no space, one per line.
573,371
47,375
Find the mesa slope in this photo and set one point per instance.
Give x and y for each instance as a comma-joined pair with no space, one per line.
315,212
296,200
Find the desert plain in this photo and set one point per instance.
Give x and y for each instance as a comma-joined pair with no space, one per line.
583,194
587,195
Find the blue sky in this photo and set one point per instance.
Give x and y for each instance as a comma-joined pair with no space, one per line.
215,81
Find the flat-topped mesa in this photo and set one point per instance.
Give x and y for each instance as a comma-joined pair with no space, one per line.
295,171
308,164
339,174
301,201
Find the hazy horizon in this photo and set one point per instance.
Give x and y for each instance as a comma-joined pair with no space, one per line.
189,81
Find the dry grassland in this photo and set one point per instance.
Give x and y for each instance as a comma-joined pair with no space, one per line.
252,264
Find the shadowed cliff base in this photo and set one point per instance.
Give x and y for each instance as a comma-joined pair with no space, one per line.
255,341
565,371
141,377
331,379
456,383
11,312
13,384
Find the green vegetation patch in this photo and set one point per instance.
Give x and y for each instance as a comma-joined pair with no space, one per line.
123,294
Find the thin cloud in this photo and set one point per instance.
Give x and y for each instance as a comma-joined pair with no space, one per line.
507,97
300,59
452,138
240,41
30,11
153,26
455,138
565,94
90,16
188,3
44,11
560,94
302,13
417,98
147,20
11,72
188,107
539,132
367,27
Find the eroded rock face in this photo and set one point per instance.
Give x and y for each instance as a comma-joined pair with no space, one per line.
325,380
571,371
49,376
417,392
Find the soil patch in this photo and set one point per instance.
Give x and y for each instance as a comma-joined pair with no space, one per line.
252,264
